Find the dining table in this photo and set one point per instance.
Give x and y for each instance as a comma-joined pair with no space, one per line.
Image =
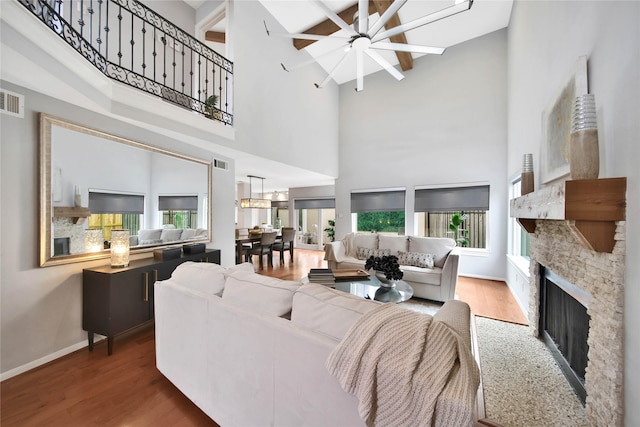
251,238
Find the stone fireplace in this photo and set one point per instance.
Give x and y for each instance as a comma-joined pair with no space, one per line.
601,275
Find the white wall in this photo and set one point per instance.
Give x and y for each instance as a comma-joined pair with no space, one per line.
280,115
41,308
277,115
445,123
545,40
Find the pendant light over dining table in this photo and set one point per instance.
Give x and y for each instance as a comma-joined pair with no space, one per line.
251,203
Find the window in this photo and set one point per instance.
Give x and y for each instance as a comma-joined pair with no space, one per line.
111,211
520,239
280,213
180,211
434,209
313,216
379,211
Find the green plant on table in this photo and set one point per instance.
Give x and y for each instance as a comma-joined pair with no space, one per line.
388,265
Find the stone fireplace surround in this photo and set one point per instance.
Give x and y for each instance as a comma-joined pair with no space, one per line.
601,274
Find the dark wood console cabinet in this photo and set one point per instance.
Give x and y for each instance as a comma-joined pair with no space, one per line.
117,299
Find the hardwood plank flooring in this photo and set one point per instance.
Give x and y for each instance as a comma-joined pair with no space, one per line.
490,298
92,389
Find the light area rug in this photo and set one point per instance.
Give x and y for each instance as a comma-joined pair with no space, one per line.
523,385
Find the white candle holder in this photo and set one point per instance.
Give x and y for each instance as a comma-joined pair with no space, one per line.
119,248
93,240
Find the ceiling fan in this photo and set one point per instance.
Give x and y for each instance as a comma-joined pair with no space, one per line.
365,38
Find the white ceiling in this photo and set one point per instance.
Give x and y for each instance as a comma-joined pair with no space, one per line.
485,16
295,16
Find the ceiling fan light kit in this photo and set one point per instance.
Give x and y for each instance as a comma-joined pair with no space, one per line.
365,39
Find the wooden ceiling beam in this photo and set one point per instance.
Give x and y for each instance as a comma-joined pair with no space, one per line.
405,58
215,36
328,27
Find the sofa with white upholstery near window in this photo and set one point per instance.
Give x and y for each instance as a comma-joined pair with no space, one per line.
161,236
251,350
429,264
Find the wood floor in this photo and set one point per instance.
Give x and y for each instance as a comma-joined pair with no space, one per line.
125,389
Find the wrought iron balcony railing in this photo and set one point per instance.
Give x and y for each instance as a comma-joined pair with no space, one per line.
132,44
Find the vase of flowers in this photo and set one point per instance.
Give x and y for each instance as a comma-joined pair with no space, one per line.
387,269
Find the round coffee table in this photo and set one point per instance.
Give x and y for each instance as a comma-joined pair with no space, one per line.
373,289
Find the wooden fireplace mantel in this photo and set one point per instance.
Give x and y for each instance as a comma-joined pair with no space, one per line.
77,214
590,208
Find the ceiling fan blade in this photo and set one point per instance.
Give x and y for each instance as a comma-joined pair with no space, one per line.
359,70
408,48
395,6
432,17
326,80
363,16
385,64
335,18
301,36
313,59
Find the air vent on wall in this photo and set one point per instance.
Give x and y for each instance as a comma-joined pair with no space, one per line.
221,164
11,103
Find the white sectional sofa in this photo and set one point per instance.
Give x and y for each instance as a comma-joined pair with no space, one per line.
160,236
250,350
429,264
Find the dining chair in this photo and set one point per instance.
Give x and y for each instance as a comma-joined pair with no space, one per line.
264,247
286,244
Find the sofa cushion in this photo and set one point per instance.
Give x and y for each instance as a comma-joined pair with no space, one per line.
353,241
263,294
438,246
395,244
149,237
188,233
171,235
412,274
365,253
245,266
417,259
202,276
328,311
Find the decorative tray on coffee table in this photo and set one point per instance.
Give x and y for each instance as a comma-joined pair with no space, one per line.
355,274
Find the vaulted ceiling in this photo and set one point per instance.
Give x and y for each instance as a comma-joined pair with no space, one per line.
484,17
299,16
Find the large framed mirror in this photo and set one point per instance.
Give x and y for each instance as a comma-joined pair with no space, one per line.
92,182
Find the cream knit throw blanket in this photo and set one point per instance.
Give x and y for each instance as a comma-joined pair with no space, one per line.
406,370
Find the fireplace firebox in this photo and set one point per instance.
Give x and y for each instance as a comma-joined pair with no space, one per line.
564,327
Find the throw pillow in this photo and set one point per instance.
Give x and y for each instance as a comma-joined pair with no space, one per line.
417,259
365,253
438,246
171,235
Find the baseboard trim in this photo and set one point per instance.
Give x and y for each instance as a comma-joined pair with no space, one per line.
46,359
480,276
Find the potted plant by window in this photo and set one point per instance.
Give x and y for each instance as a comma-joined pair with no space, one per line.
459,234
387,269
330,230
